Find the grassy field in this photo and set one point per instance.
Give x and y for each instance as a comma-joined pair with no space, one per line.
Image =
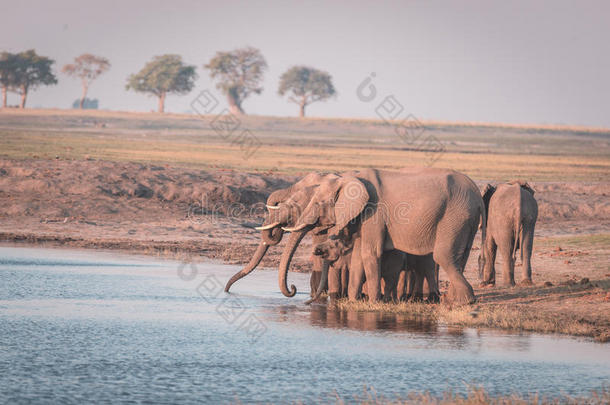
292,145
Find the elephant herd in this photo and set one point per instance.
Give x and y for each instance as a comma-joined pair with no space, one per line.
384,234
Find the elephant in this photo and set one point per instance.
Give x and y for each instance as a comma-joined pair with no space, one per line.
411,282
284,206
512,211
419,211
394,267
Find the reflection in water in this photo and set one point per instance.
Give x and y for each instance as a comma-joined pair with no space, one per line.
332,317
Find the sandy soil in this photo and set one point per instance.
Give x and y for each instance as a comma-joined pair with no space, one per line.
195,214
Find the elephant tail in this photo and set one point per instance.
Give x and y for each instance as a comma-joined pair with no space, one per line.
482,257
518,235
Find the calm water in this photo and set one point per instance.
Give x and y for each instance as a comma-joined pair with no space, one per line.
106,327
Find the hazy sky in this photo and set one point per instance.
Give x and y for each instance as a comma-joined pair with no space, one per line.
509,61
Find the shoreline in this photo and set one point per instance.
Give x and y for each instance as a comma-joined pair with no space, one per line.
495,309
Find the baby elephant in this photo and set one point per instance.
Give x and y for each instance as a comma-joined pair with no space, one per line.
511,217
394,266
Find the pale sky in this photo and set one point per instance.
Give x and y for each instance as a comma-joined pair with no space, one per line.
543,62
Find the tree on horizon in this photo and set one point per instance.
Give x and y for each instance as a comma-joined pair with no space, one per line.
306,85
87,67
163,75
7,73
30,71
239,74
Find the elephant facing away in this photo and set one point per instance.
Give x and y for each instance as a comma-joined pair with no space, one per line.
512,211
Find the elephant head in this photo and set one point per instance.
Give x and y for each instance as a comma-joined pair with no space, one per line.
336,202
284,206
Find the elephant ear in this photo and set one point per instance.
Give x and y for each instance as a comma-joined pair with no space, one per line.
352,197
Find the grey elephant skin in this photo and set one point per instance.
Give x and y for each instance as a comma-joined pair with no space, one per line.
402,274
284,207
512,211
417,211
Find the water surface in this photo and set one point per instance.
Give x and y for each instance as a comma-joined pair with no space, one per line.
78,325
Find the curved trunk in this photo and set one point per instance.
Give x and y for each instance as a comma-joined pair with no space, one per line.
291,247
322,284
256,259
272,236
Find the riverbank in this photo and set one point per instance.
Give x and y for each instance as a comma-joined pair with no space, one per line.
170,186
158,211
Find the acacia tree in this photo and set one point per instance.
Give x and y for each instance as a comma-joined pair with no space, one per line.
239,74
164,74
7,73
87,67
30,71
306,85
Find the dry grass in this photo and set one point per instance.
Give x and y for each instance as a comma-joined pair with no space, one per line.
513,317
477,396
290,145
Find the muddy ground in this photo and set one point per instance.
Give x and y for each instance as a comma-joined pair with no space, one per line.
196,214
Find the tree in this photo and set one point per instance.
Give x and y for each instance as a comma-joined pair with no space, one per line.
239,74
7,73
87,67
164,74
306,85
31,71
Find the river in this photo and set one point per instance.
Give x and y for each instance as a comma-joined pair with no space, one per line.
100,326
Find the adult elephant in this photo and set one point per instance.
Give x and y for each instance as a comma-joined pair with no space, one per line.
512,211
417,211
284,207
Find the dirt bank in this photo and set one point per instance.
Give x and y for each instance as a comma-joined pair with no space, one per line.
195,214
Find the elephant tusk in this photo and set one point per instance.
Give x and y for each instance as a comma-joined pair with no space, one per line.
272,207
266,227
294,228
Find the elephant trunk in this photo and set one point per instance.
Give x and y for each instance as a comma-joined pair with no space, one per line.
256,259
322,284
291,247
272,236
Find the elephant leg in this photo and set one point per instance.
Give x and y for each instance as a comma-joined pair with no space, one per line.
371,263
430,272
356,273
401,285
526,254
450,251
460,291
508,264
334,280
489,268
389,287
417,294
391,264
344,280
314,281
410,284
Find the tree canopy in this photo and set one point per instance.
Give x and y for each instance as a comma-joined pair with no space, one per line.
164,74
306,85
87,67
29,71
239,74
